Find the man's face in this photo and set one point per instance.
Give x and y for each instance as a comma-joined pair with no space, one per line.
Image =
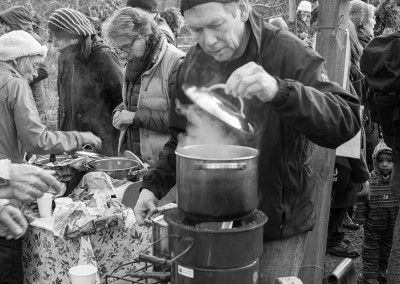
219,31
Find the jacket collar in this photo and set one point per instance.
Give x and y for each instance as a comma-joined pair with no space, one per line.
256,23
159,52
7,67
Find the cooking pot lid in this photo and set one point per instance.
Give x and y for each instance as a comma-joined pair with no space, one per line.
218,107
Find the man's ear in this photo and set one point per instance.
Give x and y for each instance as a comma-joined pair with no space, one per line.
244,8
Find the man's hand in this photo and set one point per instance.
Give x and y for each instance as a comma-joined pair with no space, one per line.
364,189
14,221
122,118
27,183
147,203
252,80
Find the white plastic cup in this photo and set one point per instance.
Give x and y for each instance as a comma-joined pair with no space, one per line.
83,274
44,205
62,200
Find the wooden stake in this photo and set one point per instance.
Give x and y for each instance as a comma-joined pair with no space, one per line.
330,42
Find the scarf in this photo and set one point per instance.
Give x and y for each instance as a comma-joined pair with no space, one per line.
135,68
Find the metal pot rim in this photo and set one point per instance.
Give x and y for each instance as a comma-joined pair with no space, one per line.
135,167
184,152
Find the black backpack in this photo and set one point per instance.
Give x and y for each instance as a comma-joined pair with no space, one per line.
380,63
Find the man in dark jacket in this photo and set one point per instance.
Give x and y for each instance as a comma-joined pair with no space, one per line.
288,96
18,18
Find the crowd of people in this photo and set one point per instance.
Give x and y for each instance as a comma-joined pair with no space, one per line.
123,91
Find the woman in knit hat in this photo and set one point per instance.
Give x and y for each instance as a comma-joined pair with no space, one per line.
18,18
90,78
21,129
302,28
363,17
151,65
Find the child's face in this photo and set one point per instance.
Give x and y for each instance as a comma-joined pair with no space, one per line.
385,163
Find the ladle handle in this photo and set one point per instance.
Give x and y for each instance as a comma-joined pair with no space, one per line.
222,86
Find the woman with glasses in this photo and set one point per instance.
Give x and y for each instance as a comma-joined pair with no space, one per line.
89,80
151,64
22,131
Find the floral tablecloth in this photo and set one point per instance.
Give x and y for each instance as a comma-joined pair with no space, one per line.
47,258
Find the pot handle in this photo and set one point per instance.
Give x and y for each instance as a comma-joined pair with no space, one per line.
220,166
158,260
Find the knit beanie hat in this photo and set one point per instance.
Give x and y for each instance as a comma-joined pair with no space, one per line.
147,5
71,21
17,18
187,4
358,13
16,44
304,6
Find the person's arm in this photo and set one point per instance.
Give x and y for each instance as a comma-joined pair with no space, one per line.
33,134
305,98
39,96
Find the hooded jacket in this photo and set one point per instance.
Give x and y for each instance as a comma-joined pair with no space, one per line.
19,18
88,93
20,126
308,107
381,196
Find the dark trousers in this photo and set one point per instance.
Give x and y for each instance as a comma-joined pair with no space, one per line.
335,235
378,237
11,262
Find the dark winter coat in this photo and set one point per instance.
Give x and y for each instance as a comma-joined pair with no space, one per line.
324,114
88,93
347,176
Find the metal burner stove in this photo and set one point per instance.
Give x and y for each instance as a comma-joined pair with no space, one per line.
218,255
203,252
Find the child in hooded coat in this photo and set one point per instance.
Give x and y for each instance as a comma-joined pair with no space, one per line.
378,215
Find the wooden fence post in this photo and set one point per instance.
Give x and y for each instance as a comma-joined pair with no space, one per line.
330,42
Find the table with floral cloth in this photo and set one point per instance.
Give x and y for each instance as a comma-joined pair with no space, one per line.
47,258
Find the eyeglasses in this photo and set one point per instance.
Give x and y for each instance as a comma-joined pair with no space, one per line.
127,48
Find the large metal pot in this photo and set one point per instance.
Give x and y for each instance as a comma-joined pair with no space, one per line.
116,167
217,181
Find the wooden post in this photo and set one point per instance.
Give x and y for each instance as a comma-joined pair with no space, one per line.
329,17
292,20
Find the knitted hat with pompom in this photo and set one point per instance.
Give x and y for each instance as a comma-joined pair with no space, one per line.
16,44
